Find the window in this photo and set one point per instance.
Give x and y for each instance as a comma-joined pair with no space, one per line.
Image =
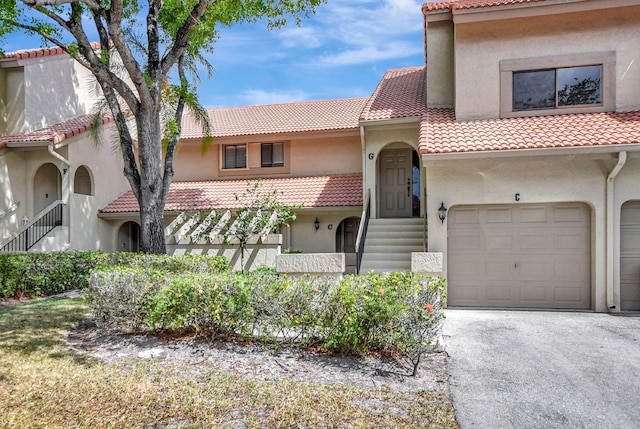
235,156
557,88
82,181
272,154
580,83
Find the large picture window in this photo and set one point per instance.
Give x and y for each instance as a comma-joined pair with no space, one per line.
272,154
557,88
558,84
235,156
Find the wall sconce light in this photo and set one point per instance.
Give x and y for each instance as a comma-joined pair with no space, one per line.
330,226
442,212
317,224
25,219
64,170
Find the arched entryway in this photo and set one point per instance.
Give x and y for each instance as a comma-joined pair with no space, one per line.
47,187
399,182
128,239
346,236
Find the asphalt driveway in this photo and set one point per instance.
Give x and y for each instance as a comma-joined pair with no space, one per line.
543,369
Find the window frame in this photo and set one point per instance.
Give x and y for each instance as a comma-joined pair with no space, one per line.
271,164
224,156
607,83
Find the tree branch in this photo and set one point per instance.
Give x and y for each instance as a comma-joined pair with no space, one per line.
42,3
182,35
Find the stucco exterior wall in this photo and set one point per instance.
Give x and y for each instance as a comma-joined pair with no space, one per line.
12,192
302,157
536,180
11,101
440,45
317,156
56,89
302,235
480,46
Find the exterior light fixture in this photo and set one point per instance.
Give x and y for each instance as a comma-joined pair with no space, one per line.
442,212
330,226
316,224
25,219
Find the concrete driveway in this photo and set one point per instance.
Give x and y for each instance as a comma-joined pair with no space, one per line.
543,369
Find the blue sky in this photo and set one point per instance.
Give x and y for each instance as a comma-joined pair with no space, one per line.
342,51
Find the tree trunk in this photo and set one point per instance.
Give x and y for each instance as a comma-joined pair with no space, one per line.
151,195
152,229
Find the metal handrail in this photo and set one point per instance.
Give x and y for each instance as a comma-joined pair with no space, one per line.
26,237
362,230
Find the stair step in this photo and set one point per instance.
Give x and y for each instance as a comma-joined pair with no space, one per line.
389,243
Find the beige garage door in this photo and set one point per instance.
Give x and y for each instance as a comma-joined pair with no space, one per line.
630,256
536,256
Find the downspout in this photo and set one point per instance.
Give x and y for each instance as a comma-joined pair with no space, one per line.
622,159
57,155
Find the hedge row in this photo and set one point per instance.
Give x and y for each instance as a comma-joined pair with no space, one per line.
399,313
42,274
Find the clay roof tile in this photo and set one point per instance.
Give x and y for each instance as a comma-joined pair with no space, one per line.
343,190
441,133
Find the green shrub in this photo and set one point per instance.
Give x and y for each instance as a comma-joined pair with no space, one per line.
399,314
42,274
121,296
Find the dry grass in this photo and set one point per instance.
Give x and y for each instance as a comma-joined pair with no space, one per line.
45,385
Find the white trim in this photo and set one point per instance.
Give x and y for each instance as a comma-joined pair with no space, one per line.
559,151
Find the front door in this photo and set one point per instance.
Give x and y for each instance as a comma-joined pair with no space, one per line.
395,171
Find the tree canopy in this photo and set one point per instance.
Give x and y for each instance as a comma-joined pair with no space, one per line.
140,46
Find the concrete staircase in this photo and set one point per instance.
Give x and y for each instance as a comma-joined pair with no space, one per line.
389,244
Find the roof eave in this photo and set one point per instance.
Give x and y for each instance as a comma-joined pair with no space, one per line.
391,121
512,153
520,10
24,144
438,15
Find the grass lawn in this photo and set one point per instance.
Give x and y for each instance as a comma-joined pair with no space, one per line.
45,385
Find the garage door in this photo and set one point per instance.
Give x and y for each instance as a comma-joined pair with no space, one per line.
536,256
630,256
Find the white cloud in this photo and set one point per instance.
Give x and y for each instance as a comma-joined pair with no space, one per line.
357,28
368,54
259,96
298,36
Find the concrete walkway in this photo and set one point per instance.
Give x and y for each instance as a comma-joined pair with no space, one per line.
543,369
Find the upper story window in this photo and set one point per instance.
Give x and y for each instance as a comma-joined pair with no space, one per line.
557,88
558,84
235,156
272,154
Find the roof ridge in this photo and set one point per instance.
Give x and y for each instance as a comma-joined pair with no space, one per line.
257,106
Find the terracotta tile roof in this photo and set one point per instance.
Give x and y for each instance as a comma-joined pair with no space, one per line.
55,133
454,5
280,118
400,94
40,52
343,190
441,133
